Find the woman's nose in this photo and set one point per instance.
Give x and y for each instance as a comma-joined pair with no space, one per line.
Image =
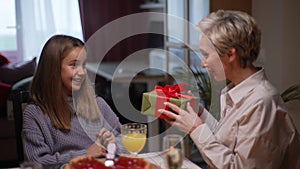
203,63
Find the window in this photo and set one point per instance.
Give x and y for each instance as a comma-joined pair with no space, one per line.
182,37
26,25
9,31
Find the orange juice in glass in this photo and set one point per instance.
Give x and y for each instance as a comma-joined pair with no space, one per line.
134,136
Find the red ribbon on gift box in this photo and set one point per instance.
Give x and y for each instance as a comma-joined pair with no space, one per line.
171,90
165,93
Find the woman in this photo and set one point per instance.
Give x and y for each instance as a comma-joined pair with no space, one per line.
66,119
255,130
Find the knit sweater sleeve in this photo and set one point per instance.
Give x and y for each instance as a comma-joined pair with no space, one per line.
112,120
109,116
38,139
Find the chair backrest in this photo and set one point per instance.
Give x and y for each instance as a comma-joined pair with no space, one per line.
19,97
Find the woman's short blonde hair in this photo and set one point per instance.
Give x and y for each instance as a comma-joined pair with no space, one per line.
233,29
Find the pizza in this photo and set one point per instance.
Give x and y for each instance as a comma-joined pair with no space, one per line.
123,162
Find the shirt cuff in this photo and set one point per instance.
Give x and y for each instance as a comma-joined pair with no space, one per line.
201,135
204,115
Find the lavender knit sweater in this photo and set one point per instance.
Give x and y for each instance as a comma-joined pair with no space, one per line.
47,145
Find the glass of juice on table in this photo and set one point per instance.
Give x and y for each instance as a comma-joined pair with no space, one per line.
134,137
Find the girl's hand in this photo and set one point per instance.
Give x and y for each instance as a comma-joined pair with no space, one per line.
104,137
96,150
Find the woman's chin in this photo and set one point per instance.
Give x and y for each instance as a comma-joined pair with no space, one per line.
219,78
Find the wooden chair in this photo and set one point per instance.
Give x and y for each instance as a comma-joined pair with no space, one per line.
18,99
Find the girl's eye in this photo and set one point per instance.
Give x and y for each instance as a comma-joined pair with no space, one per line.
77,64
73,64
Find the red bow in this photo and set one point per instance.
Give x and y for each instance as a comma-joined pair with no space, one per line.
171,90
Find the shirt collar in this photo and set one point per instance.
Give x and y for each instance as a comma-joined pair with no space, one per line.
237,92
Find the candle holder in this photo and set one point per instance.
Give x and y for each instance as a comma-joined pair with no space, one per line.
173,149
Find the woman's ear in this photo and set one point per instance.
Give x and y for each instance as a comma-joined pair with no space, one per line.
231,54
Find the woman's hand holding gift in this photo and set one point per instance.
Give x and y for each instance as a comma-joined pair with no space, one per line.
186,121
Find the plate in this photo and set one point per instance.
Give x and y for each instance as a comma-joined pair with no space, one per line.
153,166
63,166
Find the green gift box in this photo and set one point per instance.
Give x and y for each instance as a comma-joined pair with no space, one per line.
154,100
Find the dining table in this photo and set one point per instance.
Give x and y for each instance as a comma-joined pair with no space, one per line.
155,158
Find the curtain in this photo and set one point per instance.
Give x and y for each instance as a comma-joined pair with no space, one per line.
41,19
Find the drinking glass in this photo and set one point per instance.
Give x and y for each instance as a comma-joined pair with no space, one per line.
173,149
134,137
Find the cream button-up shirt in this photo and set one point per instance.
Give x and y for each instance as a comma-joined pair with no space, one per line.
254,131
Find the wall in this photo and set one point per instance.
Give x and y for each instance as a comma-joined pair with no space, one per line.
244,5
95,14
280,24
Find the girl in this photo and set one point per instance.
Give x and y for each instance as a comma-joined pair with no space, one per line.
65,116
